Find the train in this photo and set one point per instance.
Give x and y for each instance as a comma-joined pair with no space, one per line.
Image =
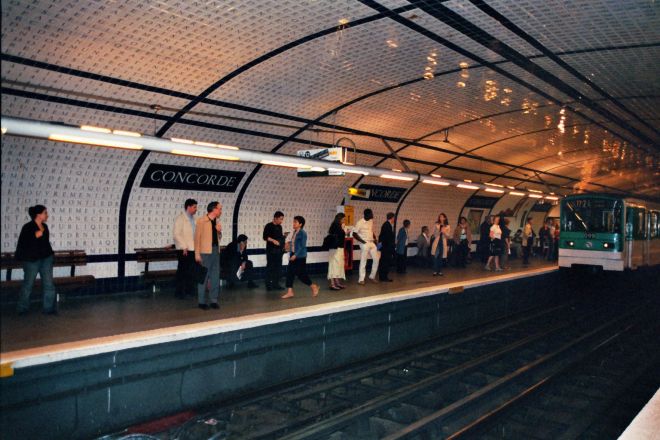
608,231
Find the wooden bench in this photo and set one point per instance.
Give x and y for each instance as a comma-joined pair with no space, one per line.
66,258
152,255
167,253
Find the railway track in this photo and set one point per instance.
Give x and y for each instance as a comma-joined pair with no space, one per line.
469,386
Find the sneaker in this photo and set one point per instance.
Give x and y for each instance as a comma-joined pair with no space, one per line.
361,283
487,268
374,280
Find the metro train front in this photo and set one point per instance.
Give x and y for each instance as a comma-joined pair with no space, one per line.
609,231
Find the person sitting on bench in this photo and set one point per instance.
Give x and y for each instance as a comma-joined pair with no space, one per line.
237,263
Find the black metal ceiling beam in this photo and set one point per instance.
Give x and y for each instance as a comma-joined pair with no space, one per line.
482,37
508,24
484,63
283,139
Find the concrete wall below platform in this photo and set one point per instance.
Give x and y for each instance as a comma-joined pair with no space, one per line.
93,395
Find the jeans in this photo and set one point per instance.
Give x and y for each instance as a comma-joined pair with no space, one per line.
437,258
212,263
366,249
43,267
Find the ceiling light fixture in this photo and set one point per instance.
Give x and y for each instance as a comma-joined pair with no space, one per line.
204,155
344,170
393,177
278,163
93,141
535,196
465,186
182,141
127,133
493,190
516,193
95,129
435,182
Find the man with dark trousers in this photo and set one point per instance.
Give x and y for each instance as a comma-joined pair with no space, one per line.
237,263
484,238
184,241
274,249
386,239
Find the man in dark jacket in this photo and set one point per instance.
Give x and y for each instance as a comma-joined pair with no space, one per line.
387,241
484,238
237,263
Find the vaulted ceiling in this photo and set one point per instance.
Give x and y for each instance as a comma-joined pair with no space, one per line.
530,93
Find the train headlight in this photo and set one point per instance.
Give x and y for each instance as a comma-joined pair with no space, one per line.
570,243
608,245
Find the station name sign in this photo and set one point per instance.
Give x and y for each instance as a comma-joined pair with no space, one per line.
190,179
388,194
481,202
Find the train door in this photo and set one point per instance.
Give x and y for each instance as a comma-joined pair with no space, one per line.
628,239
635,236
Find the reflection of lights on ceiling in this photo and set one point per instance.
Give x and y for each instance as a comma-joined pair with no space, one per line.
536,196
428,75
507,90
392,44
343,21
460,84
466,186
552,197
436,175
494,184
516,193
535,191
493,190
463,65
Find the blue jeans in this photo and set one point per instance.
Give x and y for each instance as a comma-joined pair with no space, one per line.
212,263
43,267
437,258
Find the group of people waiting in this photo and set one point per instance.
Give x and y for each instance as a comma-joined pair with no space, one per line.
197,241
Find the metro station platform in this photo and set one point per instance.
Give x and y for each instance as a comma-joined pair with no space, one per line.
109,362
83,322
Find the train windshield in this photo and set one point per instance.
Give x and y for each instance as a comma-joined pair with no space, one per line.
592,215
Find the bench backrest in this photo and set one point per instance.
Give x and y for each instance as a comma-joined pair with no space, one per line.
61,258
146,255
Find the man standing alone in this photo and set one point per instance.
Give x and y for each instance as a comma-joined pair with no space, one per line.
364,234
184,241
208,232
386,239
274,247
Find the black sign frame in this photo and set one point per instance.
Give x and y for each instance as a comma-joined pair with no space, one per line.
163,176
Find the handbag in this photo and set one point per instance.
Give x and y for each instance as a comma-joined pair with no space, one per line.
329,242
199,273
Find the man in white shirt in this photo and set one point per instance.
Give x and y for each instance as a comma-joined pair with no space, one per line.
364,234
184,233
